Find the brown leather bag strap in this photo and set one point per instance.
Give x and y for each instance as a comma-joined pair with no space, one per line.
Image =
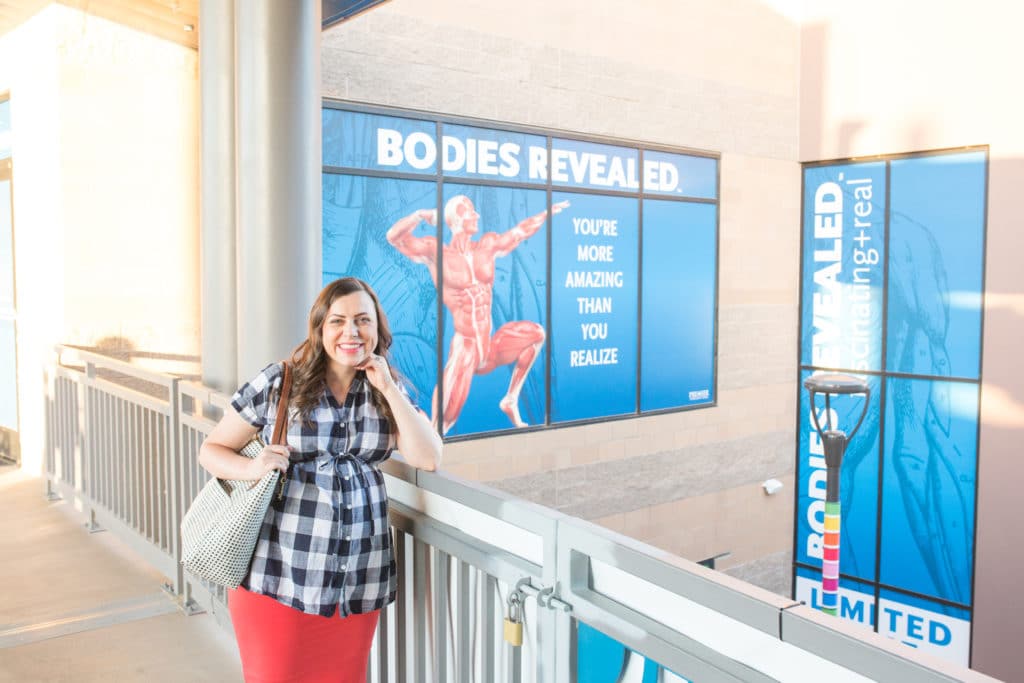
282,406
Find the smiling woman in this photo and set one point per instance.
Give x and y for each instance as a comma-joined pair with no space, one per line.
323,566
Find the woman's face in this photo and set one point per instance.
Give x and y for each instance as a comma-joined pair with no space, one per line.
350,329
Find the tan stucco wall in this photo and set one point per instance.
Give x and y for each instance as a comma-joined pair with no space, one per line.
105,177
881,78
717,76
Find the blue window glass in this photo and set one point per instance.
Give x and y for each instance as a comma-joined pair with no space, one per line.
677,329
594,250
936,237
495,295
358,213
843,266
930,467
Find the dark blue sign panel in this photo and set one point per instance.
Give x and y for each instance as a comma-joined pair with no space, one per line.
594,248
936,241
380,143
358,212
858,482
844,266
929,487
679,277
469,152
495,295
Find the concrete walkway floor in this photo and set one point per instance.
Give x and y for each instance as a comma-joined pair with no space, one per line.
81,607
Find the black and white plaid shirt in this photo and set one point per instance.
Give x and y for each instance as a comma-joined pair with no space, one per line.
327,542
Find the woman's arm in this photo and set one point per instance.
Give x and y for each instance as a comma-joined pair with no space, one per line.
219,452
418,443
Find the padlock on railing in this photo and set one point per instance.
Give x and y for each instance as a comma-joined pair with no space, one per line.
514,620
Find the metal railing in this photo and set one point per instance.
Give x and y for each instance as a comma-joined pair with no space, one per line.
122,445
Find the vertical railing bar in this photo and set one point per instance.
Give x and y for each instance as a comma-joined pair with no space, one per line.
99,455
174,463
147,476
382,646
104,448
401,609
133,466
121,467
158,462
139,459
164,475
441,604
462,648
421,603
488,650
517,664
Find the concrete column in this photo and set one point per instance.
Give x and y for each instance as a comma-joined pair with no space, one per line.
277,48
217,192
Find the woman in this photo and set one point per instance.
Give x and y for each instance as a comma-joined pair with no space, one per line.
323,565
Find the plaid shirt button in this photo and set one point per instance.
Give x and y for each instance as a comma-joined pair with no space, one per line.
312,579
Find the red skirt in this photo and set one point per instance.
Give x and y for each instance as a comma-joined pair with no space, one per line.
280,644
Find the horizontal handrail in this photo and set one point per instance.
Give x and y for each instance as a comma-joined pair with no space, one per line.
691,619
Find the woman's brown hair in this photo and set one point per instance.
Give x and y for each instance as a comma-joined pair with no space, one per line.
309,360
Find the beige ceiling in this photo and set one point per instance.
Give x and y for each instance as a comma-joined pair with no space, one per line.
166,19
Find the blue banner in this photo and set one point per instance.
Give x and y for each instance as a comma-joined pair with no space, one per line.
678,311
929,487
412,205
844,266
858,482
357,215
936,240
680,175
469,152
495,295
380,143
594,249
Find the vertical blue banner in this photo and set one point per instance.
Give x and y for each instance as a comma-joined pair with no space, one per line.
594,253
843,266
495,295
358,212
929,487
936,240
678,312
858,482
